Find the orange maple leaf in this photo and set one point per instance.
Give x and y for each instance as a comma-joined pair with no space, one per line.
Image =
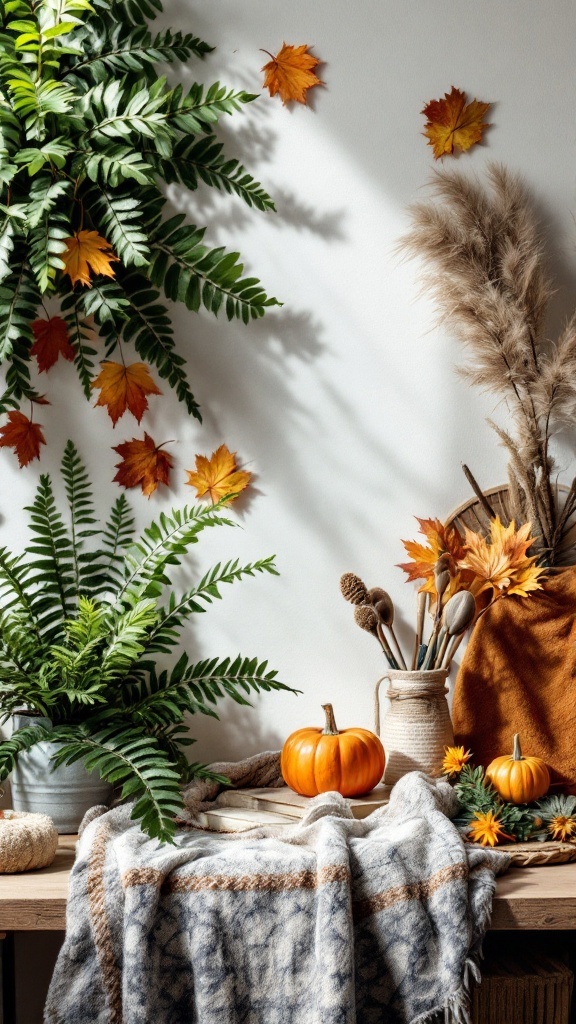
144,463
87,252
218,475
51,341
452,123
440,540
290,73
24,436
124,387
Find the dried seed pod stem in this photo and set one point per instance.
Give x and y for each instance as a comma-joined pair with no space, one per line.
384,607
420,616
354,589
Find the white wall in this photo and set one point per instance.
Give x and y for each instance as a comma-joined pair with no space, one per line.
345,403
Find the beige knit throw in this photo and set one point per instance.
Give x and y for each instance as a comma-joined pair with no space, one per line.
256,772
27,841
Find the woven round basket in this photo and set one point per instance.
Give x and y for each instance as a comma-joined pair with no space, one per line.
473,515
531,855
27,841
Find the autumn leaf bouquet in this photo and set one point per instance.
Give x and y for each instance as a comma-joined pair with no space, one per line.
463,576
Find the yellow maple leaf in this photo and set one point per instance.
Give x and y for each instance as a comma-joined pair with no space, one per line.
290,73
218,476
454,124
500,563
88,253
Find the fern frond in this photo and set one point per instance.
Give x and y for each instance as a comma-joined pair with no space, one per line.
148,325
53,568
81,334
20,741
47,244
202,159
10,226
163,543
116,109
211,680
44,194
199,110
135,50
120,218
113,165
19,299
117,536
127,757
83,521
189,272
34,100
173,616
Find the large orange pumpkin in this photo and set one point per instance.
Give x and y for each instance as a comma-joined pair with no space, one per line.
350,761
519,779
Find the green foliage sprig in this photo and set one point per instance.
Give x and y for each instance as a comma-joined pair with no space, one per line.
89,133
83,613
476,794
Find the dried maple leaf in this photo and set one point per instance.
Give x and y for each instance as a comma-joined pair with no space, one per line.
24,436
124,387
88,253
440,540
452,123
51,341
143,463
499,562
290,73
218,476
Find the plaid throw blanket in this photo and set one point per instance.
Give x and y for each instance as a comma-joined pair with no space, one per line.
333,921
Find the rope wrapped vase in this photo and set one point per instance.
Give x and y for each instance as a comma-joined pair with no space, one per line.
417,726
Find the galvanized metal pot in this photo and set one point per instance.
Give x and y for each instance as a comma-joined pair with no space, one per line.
64,793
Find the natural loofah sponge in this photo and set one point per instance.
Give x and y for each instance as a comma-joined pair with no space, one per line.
27,841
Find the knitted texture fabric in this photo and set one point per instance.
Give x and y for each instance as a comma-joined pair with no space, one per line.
519,675
335,921
254,772
27,841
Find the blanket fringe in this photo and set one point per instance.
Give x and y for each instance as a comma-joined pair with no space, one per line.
458,1009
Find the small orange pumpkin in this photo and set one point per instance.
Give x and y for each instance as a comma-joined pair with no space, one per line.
350,761
518,779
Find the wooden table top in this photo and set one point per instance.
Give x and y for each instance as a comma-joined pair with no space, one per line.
526,898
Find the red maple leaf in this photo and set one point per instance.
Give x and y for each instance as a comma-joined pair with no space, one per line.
24,436
143,463
51,341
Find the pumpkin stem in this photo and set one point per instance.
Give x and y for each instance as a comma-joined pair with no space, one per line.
330,728
517,754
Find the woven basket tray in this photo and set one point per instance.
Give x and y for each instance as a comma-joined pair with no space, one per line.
472,514
532,855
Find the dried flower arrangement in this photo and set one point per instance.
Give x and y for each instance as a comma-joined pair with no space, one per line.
462,577
488,819
485,256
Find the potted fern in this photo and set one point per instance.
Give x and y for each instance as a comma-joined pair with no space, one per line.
84,613
90,134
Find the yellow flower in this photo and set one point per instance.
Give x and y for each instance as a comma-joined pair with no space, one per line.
487,829
563,827
454,760
500,563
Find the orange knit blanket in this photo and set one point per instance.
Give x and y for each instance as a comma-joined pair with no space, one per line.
519,675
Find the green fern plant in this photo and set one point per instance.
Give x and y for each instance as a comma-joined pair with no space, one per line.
89,133
84,613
